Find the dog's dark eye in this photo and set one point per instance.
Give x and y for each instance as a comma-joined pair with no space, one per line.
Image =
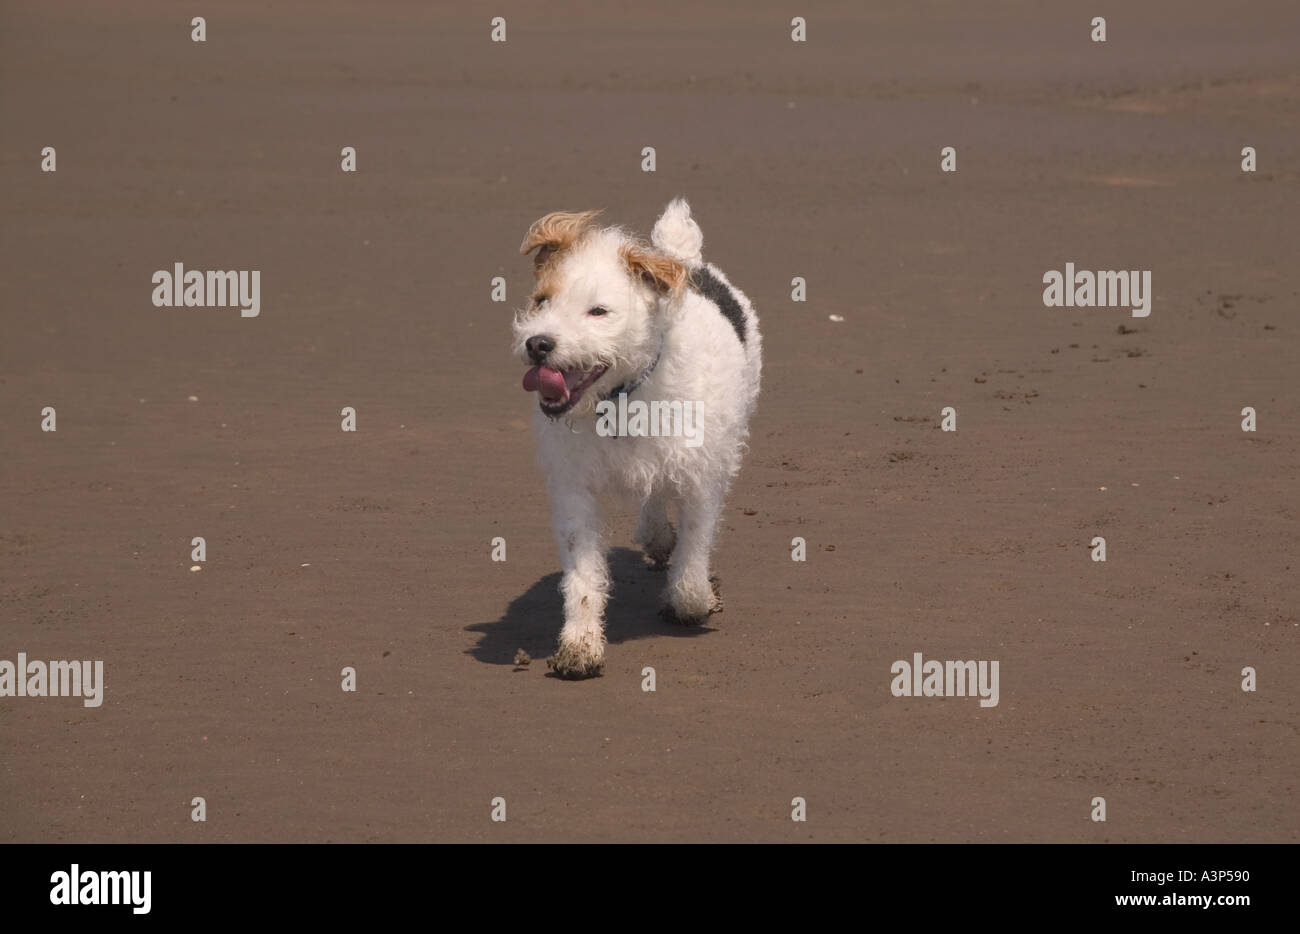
541,298
598,311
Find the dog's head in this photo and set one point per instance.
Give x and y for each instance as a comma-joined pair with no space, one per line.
595,317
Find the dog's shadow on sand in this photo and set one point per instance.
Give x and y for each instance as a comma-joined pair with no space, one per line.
533,619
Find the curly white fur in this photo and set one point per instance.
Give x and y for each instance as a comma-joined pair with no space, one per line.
678,235
692,352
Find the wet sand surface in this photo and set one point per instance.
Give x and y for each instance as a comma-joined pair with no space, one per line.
821,159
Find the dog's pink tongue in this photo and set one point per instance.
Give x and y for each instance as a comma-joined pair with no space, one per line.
550,383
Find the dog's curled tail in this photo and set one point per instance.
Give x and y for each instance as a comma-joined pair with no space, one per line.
676,234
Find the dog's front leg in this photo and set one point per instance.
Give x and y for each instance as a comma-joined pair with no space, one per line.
690,595
585,585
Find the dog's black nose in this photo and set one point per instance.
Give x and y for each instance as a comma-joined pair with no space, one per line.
538,347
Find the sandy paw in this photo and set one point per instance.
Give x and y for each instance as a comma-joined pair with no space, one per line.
686,611
575,663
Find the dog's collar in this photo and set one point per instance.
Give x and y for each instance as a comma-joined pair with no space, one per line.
630,386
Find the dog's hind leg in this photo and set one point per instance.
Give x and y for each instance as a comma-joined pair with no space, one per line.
690,594
654,533
585,585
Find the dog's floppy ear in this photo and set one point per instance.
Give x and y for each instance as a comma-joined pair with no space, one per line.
554,232
659,271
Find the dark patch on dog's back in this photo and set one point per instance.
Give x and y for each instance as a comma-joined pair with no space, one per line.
708,285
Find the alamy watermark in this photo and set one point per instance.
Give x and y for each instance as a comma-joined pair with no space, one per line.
53,679
933,678
1103,289
656,419
86,887
214,288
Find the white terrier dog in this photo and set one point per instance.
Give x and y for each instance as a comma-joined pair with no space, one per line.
646,362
